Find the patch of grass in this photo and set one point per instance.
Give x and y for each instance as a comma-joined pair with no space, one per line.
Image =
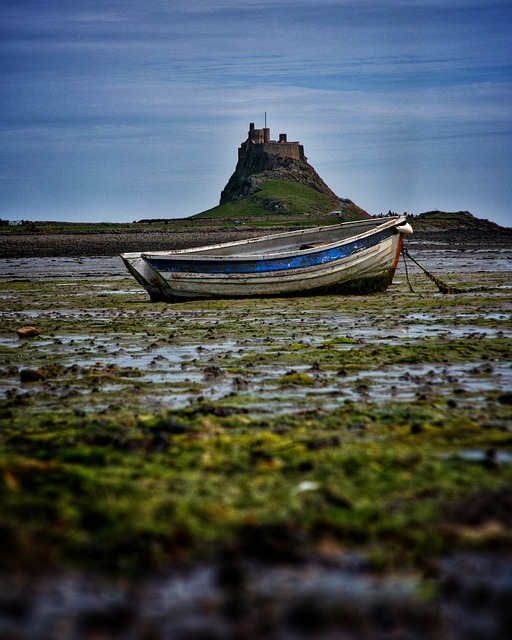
290,198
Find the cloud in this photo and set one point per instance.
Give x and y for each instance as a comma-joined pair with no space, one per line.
131,103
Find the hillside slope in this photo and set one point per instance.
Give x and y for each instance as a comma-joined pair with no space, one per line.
268,179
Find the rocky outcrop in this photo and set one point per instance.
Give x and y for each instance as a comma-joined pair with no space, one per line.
254,170
455,221
458,226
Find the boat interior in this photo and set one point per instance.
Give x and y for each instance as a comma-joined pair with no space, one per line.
292,241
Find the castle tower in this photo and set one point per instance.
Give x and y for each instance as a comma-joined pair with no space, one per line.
258,141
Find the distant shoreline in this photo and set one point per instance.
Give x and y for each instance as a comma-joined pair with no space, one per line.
110,243
105,243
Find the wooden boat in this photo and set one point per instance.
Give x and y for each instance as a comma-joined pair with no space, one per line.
353,257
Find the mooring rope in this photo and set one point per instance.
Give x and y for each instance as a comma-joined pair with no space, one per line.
404,251
442,286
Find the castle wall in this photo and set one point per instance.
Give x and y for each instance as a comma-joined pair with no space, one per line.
289,149
258,141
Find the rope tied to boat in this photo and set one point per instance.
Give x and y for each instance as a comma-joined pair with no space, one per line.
404,251
442,286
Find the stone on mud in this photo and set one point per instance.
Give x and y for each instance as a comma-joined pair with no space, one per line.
27,332
31,375
505,398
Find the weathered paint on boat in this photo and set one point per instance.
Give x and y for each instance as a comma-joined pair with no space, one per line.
145,276
357,257
265,263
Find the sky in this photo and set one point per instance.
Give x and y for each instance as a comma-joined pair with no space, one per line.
120,111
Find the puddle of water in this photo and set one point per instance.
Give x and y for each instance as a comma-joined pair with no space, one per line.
168,364
489,456
448,260
53,268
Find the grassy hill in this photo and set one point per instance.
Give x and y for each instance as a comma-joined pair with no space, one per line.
284,197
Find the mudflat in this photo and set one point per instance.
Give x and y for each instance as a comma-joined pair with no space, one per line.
283,468
42,243
27,244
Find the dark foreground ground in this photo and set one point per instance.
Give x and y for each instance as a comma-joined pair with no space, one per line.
268,469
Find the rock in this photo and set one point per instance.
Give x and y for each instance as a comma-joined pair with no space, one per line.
31,375
213,373
239,384
27,332
505,398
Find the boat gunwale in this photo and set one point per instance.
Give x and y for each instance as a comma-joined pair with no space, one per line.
196,254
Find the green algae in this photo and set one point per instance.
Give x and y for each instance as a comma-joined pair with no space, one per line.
339,340
98,469
184,480
296,378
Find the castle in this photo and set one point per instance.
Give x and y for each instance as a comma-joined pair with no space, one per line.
258,141
261,159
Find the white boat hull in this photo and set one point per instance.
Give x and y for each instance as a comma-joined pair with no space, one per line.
363,260
371,263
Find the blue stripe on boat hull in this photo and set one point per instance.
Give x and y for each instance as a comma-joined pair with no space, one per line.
309,259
